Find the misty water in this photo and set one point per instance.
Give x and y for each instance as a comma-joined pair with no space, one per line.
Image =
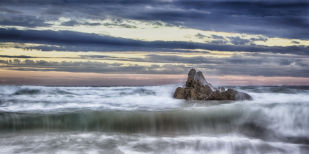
38,119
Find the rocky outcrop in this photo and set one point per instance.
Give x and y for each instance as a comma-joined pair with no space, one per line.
197,88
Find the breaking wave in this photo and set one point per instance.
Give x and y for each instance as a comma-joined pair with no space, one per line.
149,120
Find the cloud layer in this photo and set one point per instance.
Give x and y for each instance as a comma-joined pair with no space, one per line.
221,37
280,18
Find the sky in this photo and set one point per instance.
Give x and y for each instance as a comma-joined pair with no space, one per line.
151,42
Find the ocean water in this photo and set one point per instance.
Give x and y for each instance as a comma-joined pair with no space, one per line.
134,120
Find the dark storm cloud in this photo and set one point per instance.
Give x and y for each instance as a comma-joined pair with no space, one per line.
5,56
75,22
200,36
267,65
264,39
284,18
239,41
244,59
217,37
274,18
76,41
256,64
177,59
63,37
20,20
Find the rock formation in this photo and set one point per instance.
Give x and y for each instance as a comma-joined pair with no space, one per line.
197,88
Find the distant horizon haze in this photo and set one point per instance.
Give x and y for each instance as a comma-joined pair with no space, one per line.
97,79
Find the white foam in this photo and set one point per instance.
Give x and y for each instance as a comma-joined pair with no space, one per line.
268,97
102,98
97,142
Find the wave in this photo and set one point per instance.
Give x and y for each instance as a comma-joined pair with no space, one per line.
274,114
96,142
54,99
122,121
39,90
49,99
269,124
27,92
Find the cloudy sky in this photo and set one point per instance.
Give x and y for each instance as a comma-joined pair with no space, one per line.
139,42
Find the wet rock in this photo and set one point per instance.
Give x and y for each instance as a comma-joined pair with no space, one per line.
179,93
197,88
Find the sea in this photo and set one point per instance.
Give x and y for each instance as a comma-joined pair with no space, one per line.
147,119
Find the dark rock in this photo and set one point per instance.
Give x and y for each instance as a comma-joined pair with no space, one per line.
197,88
179,93
243,96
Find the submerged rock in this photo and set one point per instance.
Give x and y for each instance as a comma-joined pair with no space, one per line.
197,88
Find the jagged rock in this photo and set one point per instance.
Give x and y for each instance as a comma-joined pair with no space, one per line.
179,93
197,88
